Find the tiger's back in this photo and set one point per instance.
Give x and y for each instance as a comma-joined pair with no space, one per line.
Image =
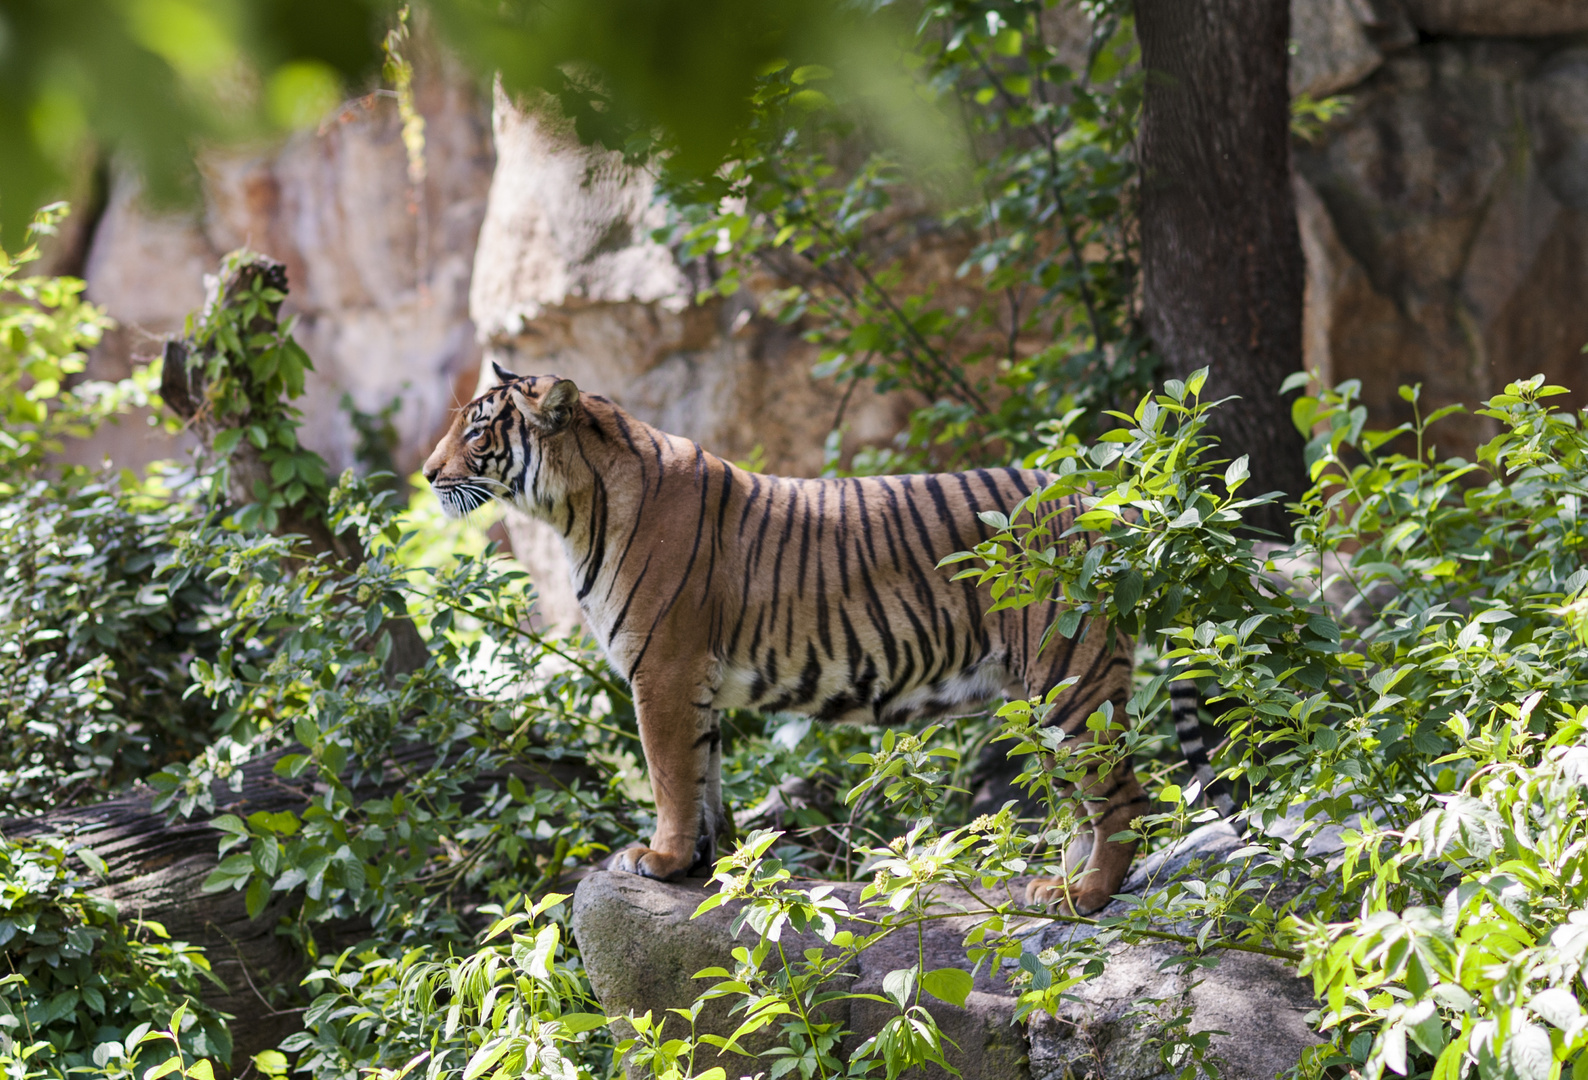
834,605
711,587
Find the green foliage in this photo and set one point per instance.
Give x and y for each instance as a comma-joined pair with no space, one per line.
507,1009
46,328
1404,698
93,649
95,644
251,369
1043,312
142,81
84,989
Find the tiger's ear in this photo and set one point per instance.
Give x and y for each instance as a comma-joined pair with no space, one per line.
553,412
559,406
502,374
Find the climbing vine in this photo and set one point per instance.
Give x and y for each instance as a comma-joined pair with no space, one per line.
250,369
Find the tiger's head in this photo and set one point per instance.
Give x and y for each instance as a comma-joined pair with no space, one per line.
507,444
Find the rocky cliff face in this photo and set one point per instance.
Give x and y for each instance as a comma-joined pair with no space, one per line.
568,281
379,267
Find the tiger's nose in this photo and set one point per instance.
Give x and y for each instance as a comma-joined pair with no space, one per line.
432,473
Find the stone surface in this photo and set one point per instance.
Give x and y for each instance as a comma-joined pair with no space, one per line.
1444,229
640,948
647,950
1499,18
1338,43
379,267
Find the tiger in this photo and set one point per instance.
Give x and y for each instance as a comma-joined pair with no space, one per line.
713,587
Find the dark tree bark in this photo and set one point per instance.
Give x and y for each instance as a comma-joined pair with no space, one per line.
1222,266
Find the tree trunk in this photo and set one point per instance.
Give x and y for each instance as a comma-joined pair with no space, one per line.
1222,268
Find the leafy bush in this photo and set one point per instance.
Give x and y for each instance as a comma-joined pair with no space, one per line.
83,989
1403,698
509,1009
46,329
94,666
93,649
1043,310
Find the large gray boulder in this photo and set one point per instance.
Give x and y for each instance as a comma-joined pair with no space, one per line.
641,949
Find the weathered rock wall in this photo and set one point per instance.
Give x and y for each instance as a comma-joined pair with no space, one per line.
1445,215
379,267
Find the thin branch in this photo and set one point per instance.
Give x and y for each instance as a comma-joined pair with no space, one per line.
1049,138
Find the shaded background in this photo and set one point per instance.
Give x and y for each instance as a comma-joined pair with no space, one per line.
1444,219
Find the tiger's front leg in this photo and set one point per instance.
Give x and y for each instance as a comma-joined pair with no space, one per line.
682,739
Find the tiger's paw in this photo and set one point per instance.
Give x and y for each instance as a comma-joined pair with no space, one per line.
648,862
1070,898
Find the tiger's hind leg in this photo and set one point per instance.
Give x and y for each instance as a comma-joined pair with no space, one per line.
1095,865
682,739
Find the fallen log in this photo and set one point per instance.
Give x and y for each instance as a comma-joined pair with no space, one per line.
155,869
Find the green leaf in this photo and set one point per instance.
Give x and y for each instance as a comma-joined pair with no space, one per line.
229,823
810,73
165,1068
900,986
271,1062
1237,473
1069,622
1527,1054
230,874
258,895
948,984
574,1023
1128,591
486,1056
1324,627
92,861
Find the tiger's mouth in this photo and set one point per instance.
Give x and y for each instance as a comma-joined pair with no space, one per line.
460,498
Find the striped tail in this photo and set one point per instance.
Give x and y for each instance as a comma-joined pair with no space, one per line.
1184,701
